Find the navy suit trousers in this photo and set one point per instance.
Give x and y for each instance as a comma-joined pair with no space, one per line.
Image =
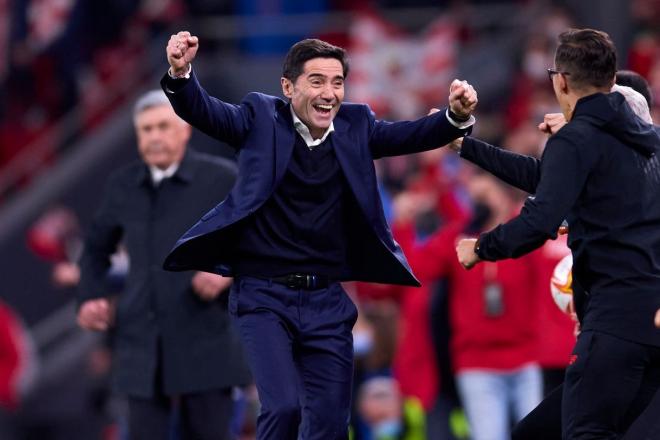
299,347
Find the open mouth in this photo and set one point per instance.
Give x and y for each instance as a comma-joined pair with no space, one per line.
324,109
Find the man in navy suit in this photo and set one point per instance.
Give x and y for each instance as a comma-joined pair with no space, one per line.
304,215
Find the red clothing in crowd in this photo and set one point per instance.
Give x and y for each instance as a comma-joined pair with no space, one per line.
500,342
555,329
12,357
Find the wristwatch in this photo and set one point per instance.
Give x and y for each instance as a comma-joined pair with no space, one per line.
477,246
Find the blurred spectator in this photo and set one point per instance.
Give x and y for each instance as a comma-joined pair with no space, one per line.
387,413
55,235
492,313
172,333
637,82
17,367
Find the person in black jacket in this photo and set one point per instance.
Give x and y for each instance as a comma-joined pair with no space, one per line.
172,331
600,171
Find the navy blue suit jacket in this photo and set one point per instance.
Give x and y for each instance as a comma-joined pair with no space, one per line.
261,129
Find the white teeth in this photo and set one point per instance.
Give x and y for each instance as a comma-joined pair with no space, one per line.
324,106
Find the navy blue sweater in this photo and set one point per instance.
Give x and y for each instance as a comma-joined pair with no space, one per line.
601,173
301,228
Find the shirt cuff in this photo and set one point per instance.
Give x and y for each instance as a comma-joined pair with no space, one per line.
184,76
461,125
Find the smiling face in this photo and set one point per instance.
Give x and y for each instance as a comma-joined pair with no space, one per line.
317,93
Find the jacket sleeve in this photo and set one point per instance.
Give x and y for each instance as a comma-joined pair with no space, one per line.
407,137
101,242
517,170
564,169
218,119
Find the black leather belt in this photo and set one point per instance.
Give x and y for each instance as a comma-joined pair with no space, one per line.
302,281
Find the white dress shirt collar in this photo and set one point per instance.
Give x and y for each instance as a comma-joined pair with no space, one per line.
304,132
157,175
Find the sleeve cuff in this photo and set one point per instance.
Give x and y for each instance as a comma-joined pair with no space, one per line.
184,76
460,124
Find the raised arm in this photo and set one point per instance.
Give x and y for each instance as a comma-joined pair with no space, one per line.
226,122
517,170
427,133
564,170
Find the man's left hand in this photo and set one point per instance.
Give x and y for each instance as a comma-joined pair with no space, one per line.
208,286
462,98
657,318
552,122
465,253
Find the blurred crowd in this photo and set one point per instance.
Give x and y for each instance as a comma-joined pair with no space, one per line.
429,359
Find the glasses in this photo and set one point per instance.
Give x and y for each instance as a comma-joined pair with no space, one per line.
554,72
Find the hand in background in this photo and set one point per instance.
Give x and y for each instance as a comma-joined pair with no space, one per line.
96,314
552,122
181,50
465,253
462,98
657,318
208,286
408,205
66,274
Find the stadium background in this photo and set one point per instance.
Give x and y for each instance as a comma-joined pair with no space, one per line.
71,69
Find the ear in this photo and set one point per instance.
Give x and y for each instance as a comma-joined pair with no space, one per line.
563,83
287,87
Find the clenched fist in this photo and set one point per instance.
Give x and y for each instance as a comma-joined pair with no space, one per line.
465,253
462,98
181,50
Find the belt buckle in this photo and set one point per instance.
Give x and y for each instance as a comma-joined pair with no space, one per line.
295,281
301,281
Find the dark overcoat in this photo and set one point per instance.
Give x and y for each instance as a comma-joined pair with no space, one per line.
199,351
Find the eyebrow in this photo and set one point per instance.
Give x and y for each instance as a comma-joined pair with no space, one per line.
320,75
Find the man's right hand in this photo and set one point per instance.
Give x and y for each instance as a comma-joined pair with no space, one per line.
462,98
96,314
181,50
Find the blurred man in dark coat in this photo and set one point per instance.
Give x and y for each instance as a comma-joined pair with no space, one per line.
173,336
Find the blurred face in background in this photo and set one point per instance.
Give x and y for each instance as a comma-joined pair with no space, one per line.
317,93
380,401
488,193
161,135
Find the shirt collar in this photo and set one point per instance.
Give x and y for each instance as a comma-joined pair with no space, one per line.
304,132
157,175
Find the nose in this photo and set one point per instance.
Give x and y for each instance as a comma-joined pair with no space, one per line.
327,92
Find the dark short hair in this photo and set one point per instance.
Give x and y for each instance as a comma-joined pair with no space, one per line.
308,49
589,56
636,82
